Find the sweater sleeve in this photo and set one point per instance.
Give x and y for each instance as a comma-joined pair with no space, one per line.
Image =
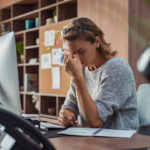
71,100
115,89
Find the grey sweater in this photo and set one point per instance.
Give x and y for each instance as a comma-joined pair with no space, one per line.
112,87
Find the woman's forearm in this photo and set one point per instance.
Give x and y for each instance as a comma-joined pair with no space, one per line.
88,106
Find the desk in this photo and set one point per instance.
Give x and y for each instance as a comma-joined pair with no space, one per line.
100,143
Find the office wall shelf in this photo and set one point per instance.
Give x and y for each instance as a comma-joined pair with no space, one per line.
113,21
13,18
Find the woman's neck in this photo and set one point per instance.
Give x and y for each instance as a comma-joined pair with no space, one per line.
99,61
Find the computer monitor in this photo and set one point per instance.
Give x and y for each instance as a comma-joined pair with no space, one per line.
9,83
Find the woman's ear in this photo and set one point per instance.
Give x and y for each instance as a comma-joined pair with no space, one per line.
97,41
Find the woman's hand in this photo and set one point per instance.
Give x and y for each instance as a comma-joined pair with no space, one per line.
66,118
73,65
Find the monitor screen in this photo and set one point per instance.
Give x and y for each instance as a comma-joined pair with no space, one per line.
9,83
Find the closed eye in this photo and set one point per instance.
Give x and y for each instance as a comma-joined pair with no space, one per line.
81,51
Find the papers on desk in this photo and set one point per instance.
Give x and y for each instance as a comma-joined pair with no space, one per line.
28,116
46,125
97,132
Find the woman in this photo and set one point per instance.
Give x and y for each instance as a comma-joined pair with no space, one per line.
102,91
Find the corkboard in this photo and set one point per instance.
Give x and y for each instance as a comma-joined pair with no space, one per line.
45,83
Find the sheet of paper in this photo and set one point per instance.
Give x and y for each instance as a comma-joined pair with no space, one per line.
49,38
7,142
102,132
50,125
79,131
116,133
56,55
46,61
55,77
29,115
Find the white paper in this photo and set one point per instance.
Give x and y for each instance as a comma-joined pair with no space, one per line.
116,133
49,38
46,61
102,132
50,125
25,82
29,115
7,142
78,131
55,77
56,55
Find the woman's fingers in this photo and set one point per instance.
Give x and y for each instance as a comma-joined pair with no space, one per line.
67,56
69,115
60,121
65,122
66,114
70,56
66,117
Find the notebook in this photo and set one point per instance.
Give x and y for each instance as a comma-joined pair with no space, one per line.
46,125
98,132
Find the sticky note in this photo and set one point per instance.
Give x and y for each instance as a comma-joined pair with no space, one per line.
48,48
60,38
57,42
57,31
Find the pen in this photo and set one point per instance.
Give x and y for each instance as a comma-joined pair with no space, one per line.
63,55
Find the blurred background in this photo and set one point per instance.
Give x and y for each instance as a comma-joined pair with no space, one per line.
126,24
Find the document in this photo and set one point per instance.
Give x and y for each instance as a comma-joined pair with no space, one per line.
55,77
49,38
46,61
56,56
46,125
29,115
98,132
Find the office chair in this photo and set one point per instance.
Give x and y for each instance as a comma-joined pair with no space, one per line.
143,104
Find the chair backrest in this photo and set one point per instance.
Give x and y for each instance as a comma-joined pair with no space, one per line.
143,102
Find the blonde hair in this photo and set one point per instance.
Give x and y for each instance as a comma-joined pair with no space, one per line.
88,30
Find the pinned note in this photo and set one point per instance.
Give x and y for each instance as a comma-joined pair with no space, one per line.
57,31
48,48
55,77
49,38
56,55
60,38
46,61
57,42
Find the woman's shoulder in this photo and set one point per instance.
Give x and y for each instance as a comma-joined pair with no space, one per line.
117,65
117,62
113,65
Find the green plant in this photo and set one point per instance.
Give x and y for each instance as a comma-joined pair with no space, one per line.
54,12
19,47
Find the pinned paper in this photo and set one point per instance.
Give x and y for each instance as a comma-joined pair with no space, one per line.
56,56
57,42
55,77
46,61
49,38
57,31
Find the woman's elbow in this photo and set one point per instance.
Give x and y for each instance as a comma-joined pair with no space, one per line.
95,124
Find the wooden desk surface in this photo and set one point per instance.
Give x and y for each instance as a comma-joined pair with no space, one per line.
100,143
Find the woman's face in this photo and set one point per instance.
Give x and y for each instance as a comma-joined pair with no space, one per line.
85,50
